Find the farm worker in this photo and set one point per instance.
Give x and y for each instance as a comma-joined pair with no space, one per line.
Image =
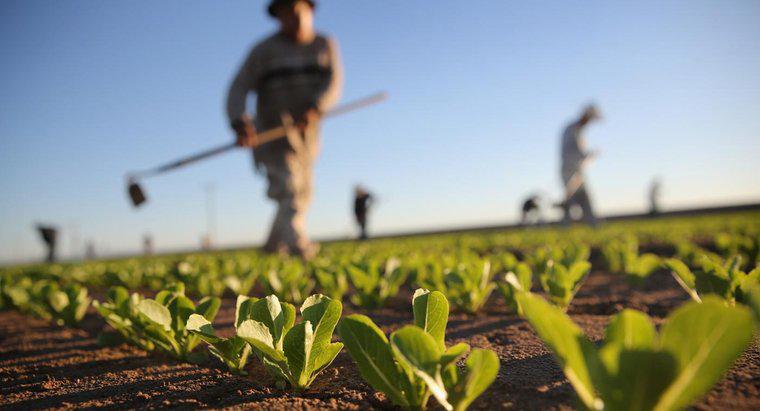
575,157
362,203
654,196
296,74
49,235
531,210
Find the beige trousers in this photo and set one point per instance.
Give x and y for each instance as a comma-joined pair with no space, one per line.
579,198
289,171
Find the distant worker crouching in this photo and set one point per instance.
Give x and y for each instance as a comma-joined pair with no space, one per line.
531,210
362,203
295,73
575,157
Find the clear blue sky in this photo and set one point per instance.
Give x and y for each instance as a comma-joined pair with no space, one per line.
480,91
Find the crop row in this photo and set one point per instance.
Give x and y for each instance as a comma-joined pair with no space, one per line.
715,261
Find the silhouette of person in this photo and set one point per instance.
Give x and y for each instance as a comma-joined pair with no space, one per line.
48,235
295,73
362,203
575,158
654,196
531,210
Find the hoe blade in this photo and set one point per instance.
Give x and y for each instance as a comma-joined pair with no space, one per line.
136,194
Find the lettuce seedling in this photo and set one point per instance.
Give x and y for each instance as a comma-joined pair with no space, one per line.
233,351
521,275
622,256
637,369
332,282
744,244
65,305
726,281
201,275
468,284
414,363
165,319
68,304
240,285
373,284
120,312
561,283
293,354
291,281
565,254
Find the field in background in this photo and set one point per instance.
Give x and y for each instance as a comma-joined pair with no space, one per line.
43,365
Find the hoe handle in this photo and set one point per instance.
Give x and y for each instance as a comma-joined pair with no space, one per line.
276,133
263,137
190,159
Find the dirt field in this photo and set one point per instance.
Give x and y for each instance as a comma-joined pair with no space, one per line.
45,366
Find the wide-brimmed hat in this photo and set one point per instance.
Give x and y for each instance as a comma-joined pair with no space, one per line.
272,8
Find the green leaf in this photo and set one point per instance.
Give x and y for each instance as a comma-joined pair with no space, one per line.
297,347
418,351
257,334
753,300
323,313
244,309
577,272
638,379
270,312
454,353
324,358
482,369
630,329
646,264
521,279
118,295
208,307
202,327
180,309
747,284
163,297
369,348
684,277
629,374
58,301
713,279
431,313
566,341
156,313
705,339
416,347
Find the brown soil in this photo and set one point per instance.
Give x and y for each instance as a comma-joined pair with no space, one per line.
45,366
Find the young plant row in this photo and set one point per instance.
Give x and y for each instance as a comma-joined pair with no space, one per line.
46,299
409,367
342,267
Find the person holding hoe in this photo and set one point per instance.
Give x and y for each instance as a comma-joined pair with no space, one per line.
296,74
575,157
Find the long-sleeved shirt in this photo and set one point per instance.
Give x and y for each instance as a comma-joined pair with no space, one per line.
287,77
573,150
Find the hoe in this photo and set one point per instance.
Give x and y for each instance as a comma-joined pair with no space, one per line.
137,195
